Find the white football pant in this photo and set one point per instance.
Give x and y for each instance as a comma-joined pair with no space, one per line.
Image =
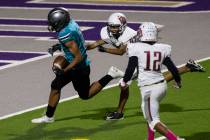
151,97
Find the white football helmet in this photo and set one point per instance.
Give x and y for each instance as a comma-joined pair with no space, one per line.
148,32
117,23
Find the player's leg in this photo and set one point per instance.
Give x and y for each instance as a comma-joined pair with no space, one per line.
191,66
157,95
118,115
151,96
113,73
57,84
158,92
150,133
124,94
145,106
52,102
81,82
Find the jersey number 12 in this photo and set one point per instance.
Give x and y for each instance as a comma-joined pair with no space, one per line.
155,57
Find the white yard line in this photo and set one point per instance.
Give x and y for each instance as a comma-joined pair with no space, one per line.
100,10
174,4
16,63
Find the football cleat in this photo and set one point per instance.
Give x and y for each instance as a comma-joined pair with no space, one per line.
43,119
115,72
194,66
114,116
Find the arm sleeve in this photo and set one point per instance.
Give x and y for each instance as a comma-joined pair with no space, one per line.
132,64
172,68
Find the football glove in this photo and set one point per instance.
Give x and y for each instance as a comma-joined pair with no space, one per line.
115,42
122,83
54,48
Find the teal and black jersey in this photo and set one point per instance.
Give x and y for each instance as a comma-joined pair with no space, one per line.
69,33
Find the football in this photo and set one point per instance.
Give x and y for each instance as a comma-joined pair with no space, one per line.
60,62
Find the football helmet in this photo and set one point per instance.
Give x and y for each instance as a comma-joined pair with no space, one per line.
148,32
58,18
117,23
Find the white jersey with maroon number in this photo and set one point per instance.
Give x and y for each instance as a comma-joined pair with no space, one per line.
124,38
150,59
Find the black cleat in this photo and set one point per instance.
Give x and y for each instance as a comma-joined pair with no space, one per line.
114,116
194,66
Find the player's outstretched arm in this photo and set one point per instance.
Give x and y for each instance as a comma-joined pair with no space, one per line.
117,51
191,66
93,45
173,70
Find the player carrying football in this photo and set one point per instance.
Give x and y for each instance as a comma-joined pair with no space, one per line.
73,66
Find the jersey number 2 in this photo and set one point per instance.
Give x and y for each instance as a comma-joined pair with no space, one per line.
155,65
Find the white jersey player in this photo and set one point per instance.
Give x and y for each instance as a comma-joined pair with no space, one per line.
149,56
117,31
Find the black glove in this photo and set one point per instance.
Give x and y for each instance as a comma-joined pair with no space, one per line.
101,49
58,71
54,48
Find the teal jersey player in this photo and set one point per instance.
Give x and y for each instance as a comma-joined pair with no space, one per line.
69,33
74,67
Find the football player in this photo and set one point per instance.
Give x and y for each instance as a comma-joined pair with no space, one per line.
73,66
116,34
148,56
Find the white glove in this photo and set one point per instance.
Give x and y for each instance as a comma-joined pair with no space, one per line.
122,83
115,42
128,83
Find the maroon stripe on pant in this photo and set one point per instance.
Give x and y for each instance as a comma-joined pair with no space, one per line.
150,115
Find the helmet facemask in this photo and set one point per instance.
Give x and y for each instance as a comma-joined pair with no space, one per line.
116,24
115,29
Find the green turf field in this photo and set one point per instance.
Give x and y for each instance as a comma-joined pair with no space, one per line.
186,111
